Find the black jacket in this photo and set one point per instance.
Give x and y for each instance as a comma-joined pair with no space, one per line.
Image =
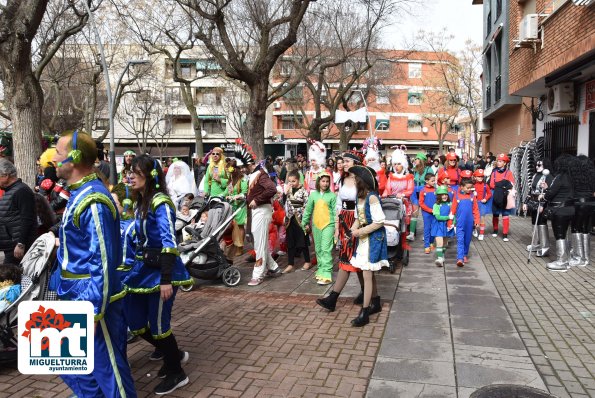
18,217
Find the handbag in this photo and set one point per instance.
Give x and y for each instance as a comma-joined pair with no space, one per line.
152,257
511,199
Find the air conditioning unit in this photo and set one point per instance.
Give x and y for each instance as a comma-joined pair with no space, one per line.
528,28
560,99
277,105
483,126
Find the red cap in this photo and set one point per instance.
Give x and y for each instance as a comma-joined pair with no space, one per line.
478,173
46,184
466,174
442,175
504,157
451,156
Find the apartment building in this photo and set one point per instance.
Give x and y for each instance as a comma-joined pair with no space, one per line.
397,108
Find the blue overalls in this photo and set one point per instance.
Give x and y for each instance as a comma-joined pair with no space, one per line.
427,198
463,204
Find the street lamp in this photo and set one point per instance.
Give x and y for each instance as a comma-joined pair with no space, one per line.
113,178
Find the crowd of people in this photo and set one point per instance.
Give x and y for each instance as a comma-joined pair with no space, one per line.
118,245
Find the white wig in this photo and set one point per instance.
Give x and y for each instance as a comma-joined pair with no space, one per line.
370,148
399,157
317,152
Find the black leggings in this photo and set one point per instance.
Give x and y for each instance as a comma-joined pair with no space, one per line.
561,220
542,220
583,213
292,251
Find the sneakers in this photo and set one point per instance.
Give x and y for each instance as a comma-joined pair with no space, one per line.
432,247
171,383
480,237
184,356
255,282
273,273
465,260
324,282
475,233
495,234
505,238
427,250
439,262
460,263
156,355
411,237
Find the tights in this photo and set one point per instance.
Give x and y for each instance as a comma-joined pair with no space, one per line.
342,278
560,223
542,220
292,251
370,289
581,223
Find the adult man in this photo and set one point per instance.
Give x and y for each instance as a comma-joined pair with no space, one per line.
480,163
87,257
465,163
18,219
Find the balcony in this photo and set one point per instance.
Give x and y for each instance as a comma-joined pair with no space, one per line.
488,98
498,89
498,8
489,24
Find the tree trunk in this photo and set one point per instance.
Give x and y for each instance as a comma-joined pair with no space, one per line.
188,98
345,136
314,130
440,141
256,117
25,101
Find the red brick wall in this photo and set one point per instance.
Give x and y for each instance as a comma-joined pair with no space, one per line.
505,129
568,33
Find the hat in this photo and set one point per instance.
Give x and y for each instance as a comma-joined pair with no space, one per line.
46,158
352,156
421,156
243,152
503,157
478,173
317,152
367,174
466,174
442,190
451,156
129,152
442,175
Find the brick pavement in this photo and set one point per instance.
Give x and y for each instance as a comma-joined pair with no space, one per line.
247,343
553,312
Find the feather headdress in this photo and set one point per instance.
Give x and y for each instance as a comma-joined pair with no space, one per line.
243,152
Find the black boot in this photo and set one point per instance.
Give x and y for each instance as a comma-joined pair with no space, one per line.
329,302
375,306
362,319
359,300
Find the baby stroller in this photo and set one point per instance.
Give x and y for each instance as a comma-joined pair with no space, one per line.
36,265
202,255
395,225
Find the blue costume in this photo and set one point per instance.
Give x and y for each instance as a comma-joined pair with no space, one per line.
464,207
128,242
427,199
439,227
87,258
146,310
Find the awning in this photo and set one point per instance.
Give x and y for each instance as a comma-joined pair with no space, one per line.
207,64
211,117
186,61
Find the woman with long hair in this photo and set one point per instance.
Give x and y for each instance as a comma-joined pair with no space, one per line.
560,197
531,206
583,175
124,174
237,191
157,272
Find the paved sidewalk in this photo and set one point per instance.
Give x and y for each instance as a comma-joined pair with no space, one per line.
554,312
448,334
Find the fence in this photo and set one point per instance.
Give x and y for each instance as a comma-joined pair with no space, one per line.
560,136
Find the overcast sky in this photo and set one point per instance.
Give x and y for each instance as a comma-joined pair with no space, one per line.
462,20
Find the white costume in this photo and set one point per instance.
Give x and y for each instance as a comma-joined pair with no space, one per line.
180,181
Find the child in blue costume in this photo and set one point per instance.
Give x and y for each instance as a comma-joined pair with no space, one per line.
86,260
427,199
464,208
440,230
483,193
125,197
10,285
157,272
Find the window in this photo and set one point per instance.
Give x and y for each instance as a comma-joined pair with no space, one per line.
361,126
186,71
296,94
207,96
101,124
414,125
291,122
143,96
206,67
286,69
140,123
414,97
383,95
414,71
172,96
383,124
212,126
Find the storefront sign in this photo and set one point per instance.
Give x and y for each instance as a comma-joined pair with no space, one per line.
590,95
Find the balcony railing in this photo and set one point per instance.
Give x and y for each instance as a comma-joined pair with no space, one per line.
498,89
488,97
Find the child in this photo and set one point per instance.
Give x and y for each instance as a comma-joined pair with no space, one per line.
183,218
440,230
501,181
464,208
297,241
483,193
10,284
427,199
320,208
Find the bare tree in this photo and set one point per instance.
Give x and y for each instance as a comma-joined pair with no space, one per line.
246,38
458,75
23,29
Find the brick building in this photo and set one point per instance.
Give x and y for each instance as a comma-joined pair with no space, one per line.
539,74
399,107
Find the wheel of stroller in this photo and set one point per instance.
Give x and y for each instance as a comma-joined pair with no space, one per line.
187,288
405,260
231,276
